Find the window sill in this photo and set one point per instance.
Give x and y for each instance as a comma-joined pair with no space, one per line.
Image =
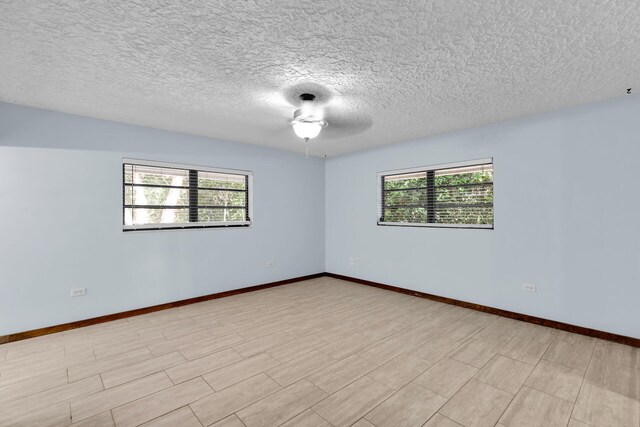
411,224
157,227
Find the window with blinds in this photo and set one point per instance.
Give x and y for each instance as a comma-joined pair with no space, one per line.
453,195
160,196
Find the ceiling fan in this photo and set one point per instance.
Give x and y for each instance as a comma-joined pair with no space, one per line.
308,121
316,113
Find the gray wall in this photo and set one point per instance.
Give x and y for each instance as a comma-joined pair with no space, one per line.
566,218
60,220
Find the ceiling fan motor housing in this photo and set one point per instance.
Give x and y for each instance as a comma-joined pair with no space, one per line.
308,114
307,123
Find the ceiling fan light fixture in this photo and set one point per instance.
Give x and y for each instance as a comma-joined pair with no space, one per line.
307,121
307,130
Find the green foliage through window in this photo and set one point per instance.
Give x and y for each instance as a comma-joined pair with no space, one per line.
460,195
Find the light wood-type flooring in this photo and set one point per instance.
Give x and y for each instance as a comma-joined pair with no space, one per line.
323,352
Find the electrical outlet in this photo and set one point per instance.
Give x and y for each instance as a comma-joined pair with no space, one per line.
78,292
527,287
352,260
270,264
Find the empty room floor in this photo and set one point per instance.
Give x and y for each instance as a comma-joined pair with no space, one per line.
323,352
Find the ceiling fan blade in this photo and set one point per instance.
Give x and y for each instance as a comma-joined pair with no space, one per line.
345,124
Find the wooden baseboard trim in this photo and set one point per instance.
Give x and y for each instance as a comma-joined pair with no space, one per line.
115,316
634,342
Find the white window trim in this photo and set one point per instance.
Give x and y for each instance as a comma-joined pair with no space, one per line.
192,225
438,166
143,162
379,176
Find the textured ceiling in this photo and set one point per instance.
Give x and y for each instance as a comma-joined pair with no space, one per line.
386,71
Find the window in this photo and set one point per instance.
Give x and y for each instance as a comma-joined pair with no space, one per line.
451,195
160,196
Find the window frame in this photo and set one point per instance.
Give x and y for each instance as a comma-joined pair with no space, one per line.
433,168
188,225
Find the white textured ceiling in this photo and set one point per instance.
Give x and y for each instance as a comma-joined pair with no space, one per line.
387,71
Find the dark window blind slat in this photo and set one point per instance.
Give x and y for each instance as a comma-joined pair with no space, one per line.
174,197
456,195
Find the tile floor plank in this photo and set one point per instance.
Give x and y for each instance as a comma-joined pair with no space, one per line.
476,352
100,366
141,369
32,385
212,345
351,403
505,374
292,350
533,408
183,417
439,420
105,400
56,415
400,370
615,367
219,405
339,374
160,403
557,380
574,355
446,377
230,421
308,418
104,419
296,369
236,372
411,406
601,407
261,344
62,394
282,405
197,367
477,404
524,350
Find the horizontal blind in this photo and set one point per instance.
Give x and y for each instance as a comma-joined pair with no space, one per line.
177,197
461,195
